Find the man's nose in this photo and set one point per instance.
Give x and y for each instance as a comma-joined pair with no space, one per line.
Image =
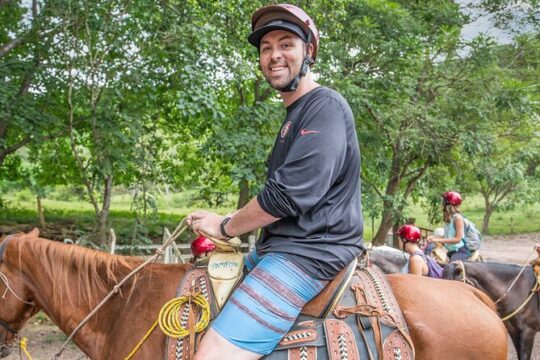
276,54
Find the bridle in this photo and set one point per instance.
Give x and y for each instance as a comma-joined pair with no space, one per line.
5,280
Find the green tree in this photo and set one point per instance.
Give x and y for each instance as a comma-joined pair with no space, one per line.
29,109
400,65
507,108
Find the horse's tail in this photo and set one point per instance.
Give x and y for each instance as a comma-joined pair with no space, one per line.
483,297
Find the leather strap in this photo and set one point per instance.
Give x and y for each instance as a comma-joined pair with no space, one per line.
8,328
306,335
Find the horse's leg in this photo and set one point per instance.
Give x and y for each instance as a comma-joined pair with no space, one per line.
515,335
526,344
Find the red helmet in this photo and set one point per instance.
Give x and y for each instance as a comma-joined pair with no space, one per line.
452,198
409,233
260,24
201,246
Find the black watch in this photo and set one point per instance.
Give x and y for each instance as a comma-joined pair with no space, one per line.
222,228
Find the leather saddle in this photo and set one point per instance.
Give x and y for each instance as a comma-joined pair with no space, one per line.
350,319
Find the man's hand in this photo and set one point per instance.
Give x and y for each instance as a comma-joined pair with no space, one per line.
206,224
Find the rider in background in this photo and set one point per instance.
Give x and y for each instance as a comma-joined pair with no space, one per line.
419,263
536,262
454,228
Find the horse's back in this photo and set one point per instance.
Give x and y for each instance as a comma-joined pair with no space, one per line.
455,320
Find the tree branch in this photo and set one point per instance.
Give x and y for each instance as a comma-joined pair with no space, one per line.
414,180
367,182
10,45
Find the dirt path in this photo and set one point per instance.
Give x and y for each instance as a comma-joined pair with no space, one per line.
45,340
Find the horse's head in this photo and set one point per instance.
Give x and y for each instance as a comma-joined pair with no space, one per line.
16,303
457,270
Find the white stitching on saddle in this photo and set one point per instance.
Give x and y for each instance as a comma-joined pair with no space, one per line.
179,349
303,353
343,351
297,336
204,288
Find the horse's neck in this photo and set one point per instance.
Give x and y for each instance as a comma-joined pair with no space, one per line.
495,279
57,291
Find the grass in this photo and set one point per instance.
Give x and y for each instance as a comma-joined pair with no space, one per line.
72,212
65,208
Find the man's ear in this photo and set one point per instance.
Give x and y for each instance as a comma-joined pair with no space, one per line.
309,50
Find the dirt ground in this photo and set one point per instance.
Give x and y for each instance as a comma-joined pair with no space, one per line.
45,340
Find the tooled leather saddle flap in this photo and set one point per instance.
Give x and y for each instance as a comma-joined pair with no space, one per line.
307,333
324,303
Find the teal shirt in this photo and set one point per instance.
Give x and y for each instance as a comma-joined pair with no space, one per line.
450,232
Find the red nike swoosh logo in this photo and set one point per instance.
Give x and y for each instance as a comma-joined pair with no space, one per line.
305,132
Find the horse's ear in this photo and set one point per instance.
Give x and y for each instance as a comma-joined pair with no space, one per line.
33,233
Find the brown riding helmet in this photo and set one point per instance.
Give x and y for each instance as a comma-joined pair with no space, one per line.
281,17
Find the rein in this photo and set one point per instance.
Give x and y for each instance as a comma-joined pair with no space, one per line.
175,234
4,278
525,264
535,288
464,277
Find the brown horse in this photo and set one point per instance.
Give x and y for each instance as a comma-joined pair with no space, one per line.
447,320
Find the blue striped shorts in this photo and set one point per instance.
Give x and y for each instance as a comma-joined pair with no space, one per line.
266,304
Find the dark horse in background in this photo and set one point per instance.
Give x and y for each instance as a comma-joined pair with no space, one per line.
495,279
67,281
389,260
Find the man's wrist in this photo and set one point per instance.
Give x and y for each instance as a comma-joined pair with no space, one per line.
222,228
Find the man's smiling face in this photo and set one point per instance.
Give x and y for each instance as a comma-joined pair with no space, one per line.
281,56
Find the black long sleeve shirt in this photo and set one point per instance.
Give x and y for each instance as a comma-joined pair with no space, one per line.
313,186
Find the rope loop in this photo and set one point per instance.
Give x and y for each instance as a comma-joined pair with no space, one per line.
172,311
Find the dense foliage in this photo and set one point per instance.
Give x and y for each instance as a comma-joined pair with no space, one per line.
107,93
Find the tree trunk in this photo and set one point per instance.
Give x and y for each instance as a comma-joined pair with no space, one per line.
41,216
103,216
487,216
386,224
243,197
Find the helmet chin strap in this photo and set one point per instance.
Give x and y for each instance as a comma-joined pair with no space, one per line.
296,80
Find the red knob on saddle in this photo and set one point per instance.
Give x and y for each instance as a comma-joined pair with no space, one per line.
201,246
410,233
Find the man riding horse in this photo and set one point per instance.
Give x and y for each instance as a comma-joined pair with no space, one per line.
309,209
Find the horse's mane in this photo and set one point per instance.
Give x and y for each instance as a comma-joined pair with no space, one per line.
80,276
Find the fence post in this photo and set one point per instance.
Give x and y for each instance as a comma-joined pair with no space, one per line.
251,242
113,241
168,257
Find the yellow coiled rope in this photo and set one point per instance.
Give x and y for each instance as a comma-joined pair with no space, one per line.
169,319
22,345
